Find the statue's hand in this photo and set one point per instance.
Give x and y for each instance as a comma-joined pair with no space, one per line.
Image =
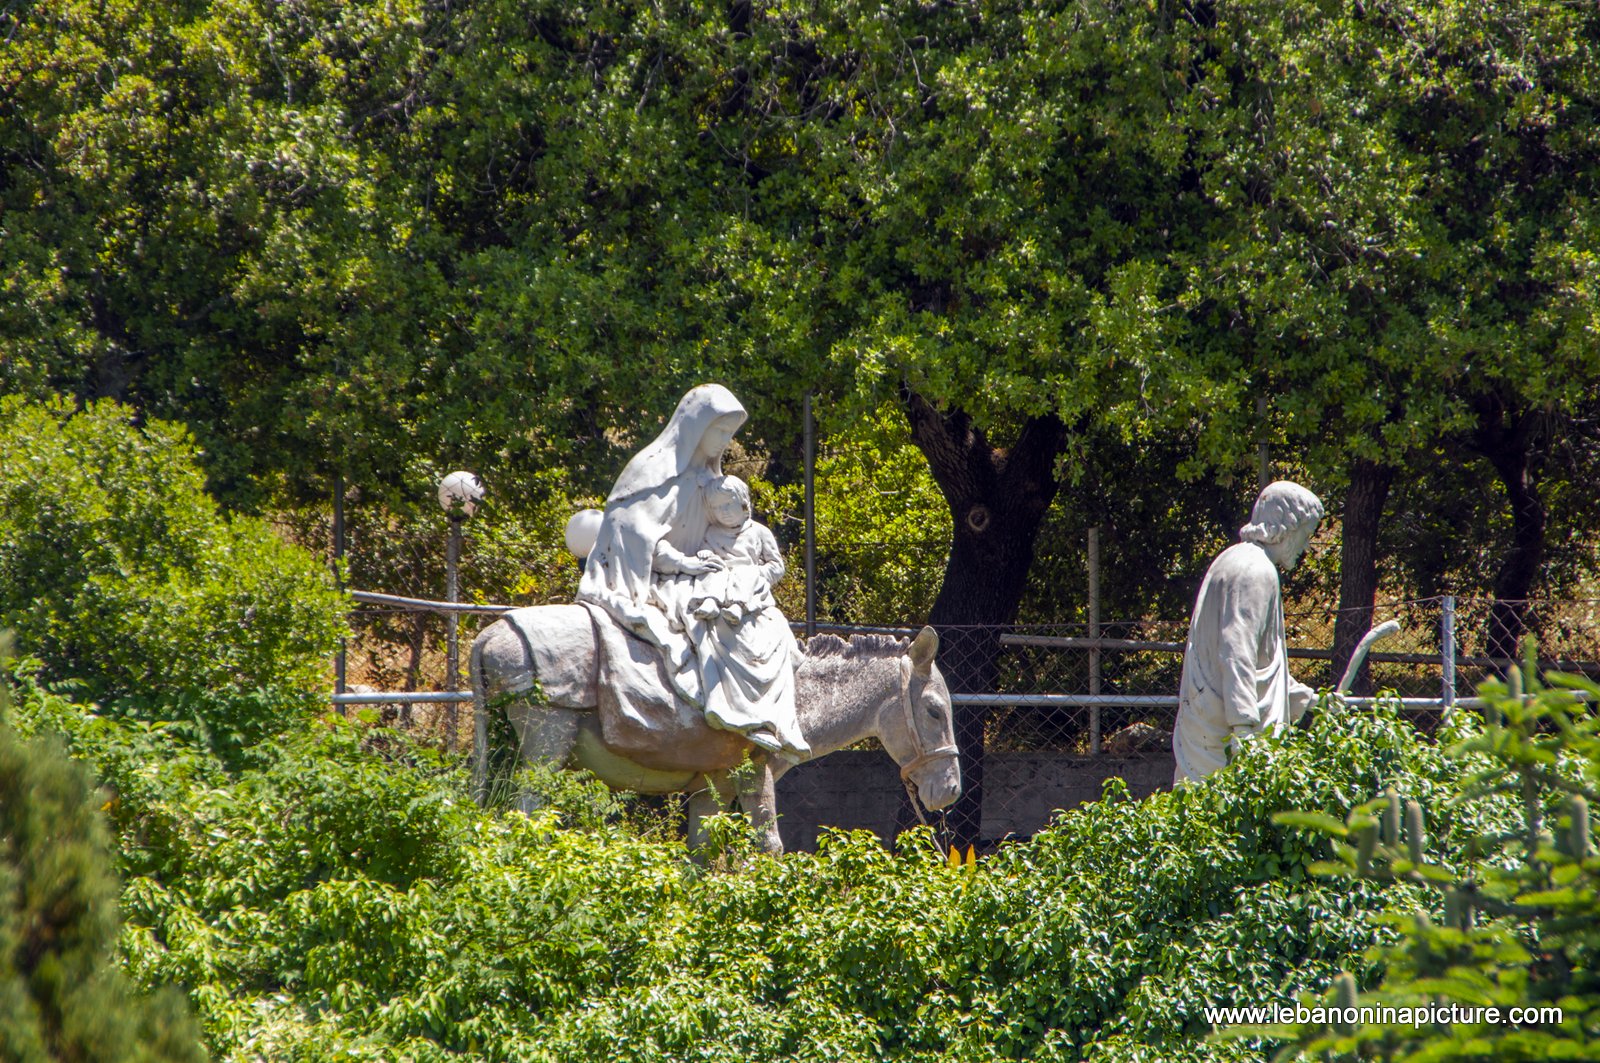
700,566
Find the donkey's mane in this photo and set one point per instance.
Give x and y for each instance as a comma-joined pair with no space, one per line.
859,646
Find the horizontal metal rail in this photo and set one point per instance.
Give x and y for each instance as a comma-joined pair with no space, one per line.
428,604
1138,701
1075,642
1413,703
1169,701
1046,701
1032,700
853,629
1047,642
392,696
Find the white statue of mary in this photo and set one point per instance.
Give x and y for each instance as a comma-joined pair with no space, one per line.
650,535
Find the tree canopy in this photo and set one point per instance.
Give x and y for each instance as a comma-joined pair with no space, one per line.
346,239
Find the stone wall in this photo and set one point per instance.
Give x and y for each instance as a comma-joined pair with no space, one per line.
854,790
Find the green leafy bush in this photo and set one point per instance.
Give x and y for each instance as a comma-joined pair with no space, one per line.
328,903
62,996
123,578
1520,925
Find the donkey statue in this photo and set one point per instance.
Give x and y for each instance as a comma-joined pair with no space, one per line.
539,665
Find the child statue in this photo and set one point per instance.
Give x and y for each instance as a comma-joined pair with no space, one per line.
741,638
752,564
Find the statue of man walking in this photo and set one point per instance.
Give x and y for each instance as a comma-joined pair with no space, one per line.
1236,679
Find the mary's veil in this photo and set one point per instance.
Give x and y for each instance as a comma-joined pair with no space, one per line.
647,505
668,456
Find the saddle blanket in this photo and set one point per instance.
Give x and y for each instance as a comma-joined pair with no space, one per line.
642,718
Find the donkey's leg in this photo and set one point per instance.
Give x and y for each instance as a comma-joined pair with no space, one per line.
759,799
715,793
702,803
546,734
501,672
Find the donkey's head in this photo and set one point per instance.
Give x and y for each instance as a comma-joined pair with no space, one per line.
877,686
916,726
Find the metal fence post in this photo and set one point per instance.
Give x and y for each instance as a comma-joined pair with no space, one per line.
1447,653
811,518
1263,450
452,594
340,661
1094,633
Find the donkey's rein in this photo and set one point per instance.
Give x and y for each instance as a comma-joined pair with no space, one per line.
923,755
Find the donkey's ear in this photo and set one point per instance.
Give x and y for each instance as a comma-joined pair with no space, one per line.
922,650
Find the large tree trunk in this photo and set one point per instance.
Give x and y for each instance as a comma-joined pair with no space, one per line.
1507,438
998,498
1358,565
117,365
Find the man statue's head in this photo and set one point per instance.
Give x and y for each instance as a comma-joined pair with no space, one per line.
1285,517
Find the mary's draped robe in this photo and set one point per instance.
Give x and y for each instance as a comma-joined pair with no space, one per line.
657,511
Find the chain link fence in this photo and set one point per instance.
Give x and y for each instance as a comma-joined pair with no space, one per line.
1055,708
1068,689
1066,708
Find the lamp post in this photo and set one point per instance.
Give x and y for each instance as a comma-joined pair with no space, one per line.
459,495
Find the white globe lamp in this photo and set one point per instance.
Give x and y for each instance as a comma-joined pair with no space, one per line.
460,493
582,531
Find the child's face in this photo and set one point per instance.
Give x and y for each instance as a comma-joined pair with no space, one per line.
730,511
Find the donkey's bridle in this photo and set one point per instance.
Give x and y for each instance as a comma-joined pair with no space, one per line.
923,755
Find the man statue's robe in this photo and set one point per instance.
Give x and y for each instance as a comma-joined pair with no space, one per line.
1236,679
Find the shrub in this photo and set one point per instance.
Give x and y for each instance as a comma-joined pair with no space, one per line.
329,904
1517,927
882,526
124,579
62,996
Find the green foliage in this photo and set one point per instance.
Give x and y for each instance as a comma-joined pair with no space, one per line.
126,581
331,903
883,529
62,995
367,239
1521,919
345,239
512,551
